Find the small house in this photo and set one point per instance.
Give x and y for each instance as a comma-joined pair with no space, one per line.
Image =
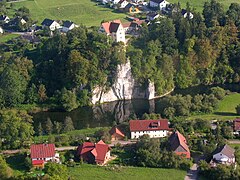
43,153
4,19
154,128
131,8
159,4
236,126
116,134
94,153
51,24
186,14
114,29
68,25
122,4
223,155
152,16
178,144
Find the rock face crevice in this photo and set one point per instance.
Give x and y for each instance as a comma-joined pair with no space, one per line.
124,88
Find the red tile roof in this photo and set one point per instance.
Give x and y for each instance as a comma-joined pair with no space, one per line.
177,139
236,125
42,150
148,125
117,131
98,150
111,26
37,162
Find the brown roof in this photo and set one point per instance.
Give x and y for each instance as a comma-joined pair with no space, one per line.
177,139
236,125
42,150
226,150
148,125
117,131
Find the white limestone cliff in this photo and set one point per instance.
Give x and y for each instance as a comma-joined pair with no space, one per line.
124,88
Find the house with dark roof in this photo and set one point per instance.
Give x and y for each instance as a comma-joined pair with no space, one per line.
51,24
116,134
43,153
186,14
68,25
159,4
236,126
114,29
153,128
4,19
223,155
131,8
152,16
178,144
132,26
94,153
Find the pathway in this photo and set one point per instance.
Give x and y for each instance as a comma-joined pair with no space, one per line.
192,173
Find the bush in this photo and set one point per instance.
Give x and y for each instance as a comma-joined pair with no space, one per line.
238,109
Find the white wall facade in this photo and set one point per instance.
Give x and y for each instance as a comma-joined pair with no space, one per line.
123,4
161,5
190,15
54,26
220,156
152,133
119,36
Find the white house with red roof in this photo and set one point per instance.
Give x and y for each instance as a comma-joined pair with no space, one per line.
114,29
94,153
42,153
154,128
178,144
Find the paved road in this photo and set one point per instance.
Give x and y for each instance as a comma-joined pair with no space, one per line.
192,173
65,148
233,141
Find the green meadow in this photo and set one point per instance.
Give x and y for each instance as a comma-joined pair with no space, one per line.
87,171
198,4
225,111
88,12
85,12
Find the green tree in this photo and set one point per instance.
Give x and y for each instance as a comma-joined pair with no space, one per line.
238,109
68,100
68,124
6,172
49,126
15,128
57,127
42,93
56,171
39,130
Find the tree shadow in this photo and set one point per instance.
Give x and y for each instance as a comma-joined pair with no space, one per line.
17,162
225,113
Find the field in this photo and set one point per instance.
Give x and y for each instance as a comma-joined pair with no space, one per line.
225,111
95,172
7,37
198,4
85,12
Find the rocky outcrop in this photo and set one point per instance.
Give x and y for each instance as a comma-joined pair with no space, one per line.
124,88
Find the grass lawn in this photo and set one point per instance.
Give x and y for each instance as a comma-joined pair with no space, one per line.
6,37
198,4
86,12
225,111
134,173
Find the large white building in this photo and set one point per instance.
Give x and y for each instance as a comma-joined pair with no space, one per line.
223,155
161,4
114,29
154,128
51,24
